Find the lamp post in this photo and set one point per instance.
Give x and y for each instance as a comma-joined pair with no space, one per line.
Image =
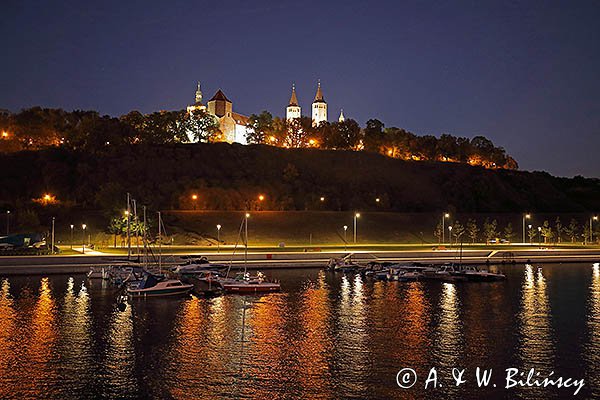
83,226
345,241
444,216
530,236
525,216
7,221
72,226
450,235
356,217
53,219
218,238
593,218
540,235
194,198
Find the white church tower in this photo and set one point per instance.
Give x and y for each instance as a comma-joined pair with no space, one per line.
319,107
341,118
293,110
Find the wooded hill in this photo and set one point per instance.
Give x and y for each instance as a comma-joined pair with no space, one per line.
231,177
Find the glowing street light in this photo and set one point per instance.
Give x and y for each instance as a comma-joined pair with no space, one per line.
540,235
345,240
593,218
530,237
444,216
525,216
377,200
72,226
83,226
261,197
356,217
450,235
7,221
322,199
218,237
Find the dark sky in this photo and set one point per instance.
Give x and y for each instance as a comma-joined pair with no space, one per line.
524,74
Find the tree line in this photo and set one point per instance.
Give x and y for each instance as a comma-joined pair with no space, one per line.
36,128
375,137
489,231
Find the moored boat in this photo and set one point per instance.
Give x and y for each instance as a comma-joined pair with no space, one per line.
149,286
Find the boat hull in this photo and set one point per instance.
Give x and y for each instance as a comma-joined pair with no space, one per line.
160,292
252,288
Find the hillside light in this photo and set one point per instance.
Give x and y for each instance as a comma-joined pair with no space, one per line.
322,198
261,197
444,216
83,226
525,216
218,238
4,134
126,213
356,217
194,200
377,200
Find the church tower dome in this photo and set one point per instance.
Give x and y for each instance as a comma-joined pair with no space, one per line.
293,110
341,118
319,107
198,94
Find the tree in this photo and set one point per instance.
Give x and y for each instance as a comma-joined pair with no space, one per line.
586,233
457,230
472,229
373,135
572,230
508,232
117,226
342,135
202,126
547,232
260,128
531,232
490,229
437,232
559,229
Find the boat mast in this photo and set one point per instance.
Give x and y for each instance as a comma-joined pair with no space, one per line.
144,243
159,244
128,227
246,246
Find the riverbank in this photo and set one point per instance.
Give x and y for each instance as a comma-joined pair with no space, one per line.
261,259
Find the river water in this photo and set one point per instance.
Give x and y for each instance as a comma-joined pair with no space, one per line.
326,336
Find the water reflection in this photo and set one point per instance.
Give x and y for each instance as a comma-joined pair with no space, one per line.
449,341
7,331
592,352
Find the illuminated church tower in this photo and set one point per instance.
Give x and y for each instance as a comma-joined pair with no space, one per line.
319,107
293,109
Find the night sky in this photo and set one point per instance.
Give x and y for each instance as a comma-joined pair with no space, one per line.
524,74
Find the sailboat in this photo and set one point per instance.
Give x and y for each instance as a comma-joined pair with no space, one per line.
243,283
153,285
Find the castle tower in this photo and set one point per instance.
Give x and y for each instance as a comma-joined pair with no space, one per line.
319,107
341,118
198,94
293,110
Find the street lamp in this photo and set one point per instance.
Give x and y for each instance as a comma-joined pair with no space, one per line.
218,238
322,199
83,226
530,236
7,221
53,219
450,235
72,226
377,200
525,216
540,235
356,217
345,241
261,197
444,216
194,198
593,218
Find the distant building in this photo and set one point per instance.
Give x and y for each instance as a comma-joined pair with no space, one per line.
231,124
341,118
293,109
319,107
